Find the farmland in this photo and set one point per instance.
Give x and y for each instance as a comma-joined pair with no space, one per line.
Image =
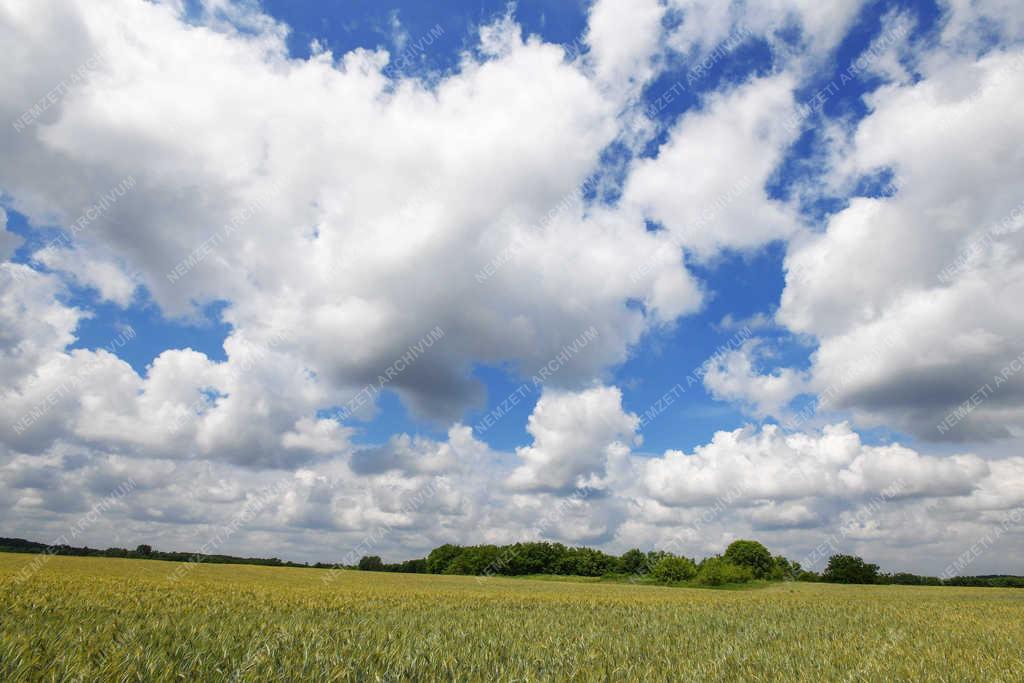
112,619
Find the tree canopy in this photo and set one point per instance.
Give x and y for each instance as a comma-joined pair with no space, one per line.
849,569
750,554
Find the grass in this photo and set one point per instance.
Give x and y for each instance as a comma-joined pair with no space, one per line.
109,619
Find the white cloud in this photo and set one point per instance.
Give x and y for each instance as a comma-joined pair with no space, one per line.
735,377
707,23
972,24
913,297
88,270
346,238
788,515
185,406
755,323
575,435
318,436
624,37
890,54
707,184
747,466
792,491
33,322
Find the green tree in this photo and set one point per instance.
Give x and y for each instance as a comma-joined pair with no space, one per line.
808,576
750,554
585,562
476,560
441,557
633,561
371,563
674,570
849,569
530,558
784,570
144,549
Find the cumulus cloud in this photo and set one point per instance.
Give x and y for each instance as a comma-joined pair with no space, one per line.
917,290
34,323
734,376
184,406
772,465
624,39
574,437
104,276
349,236
889,56
707,184
581,481
971,25
909,296
706,24
823,489
412,456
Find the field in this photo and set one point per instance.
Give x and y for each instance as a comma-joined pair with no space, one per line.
108,619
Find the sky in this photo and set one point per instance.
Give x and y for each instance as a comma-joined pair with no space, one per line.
322,279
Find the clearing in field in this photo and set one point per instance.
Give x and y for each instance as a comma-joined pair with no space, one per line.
111,619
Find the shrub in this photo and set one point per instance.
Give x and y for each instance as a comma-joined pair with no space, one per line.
716,571
674,570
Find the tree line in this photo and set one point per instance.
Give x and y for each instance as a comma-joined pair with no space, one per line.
141,552
742,562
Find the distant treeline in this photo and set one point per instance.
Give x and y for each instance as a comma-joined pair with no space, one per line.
142,552
743,561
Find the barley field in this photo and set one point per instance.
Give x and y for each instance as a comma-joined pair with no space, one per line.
93,619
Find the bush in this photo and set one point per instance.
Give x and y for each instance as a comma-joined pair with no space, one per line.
716,571
673,570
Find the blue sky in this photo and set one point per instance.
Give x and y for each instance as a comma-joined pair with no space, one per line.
748,201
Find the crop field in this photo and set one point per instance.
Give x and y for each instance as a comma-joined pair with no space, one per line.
73,618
